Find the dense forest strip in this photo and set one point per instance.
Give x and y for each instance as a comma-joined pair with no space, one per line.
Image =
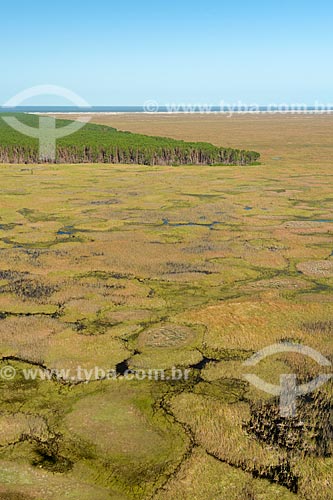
103,144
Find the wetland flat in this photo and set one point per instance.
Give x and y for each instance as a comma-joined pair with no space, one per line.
121,267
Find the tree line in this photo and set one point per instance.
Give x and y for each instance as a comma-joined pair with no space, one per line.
101,144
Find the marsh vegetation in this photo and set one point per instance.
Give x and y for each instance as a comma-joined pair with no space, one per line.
91,275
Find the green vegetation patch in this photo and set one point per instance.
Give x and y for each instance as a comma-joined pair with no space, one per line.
98,143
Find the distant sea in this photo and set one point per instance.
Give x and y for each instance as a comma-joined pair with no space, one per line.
160,109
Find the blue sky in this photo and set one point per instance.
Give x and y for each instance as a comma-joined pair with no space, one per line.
172,51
